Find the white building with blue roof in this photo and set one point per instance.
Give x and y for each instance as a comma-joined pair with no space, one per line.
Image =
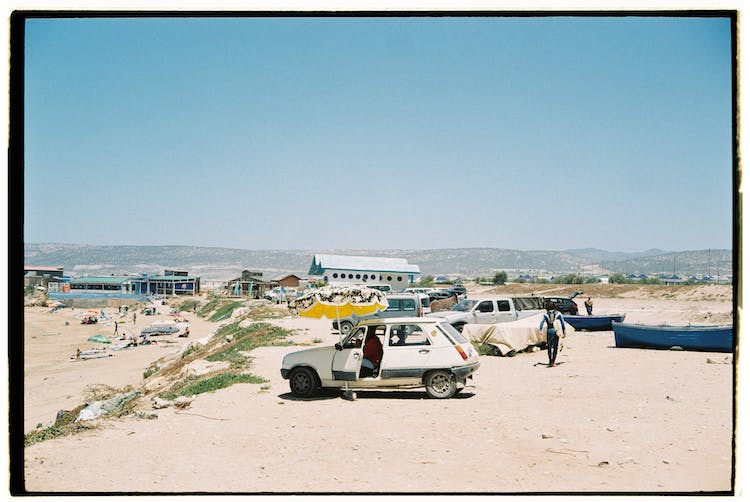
344,269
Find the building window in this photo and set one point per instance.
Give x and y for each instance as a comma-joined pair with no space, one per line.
351,276
398,278
325,278
359,276
372,277
335,275
390,278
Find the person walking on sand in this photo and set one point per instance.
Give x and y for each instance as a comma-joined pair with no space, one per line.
133,317
589,306
549,319
115,327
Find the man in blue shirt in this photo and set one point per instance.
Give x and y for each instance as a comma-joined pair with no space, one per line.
549,319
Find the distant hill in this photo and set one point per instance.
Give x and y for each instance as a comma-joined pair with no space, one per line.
224,263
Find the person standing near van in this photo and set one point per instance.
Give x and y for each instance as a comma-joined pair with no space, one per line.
550,318
589,306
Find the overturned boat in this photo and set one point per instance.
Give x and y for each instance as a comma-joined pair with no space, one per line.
702,338
593,322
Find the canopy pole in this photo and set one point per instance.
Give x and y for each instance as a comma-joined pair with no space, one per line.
348,394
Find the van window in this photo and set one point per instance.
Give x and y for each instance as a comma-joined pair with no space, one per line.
485,306
503,305
401,304
426,301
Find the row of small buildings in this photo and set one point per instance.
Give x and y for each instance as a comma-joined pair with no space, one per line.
326,268
54,281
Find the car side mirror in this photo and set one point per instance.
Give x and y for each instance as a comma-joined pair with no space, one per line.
338,346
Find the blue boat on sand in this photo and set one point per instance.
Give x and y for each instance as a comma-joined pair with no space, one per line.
593,322
702,338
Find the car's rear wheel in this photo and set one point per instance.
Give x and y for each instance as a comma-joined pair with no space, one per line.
345,328
440,384
459,327
303,382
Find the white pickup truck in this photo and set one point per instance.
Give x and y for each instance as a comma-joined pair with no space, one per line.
490,310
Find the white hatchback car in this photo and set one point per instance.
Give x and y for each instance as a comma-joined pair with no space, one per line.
394,352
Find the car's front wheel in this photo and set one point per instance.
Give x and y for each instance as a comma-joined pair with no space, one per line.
440,384
303,382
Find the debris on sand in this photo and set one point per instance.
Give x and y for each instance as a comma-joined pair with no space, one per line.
99,408
181,402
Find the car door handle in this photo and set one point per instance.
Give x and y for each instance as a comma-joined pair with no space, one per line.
424,351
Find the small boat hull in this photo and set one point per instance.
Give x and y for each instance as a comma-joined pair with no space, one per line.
593,322
701,338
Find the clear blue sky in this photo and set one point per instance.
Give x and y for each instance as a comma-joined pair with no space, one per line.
322,133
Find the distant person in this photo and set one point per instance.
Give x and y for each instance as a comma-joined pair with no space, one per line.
115,327
549,319
133,317
589,306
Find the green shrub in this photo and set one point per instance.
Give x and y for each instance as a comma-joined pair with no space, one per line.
193,348
64,424
500,278
485,349
187,305
225,311
150,371
212,383
209,307
246,339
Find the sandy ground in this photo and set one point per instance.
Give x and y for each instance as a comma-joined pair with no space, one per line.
605,420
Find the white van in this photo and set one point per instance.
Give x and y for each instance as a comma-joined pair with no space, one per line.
399,305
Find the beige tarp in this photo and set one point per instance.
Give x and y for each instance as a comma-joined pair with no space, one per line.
511,336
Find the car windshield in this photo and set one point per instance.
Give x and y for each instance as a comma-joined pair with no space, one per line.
464,305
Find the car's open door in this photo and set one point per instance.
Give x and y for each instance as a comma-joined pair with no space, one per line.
348,357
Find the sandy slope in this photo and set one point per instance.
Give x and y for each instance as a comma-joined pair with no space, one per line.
605,420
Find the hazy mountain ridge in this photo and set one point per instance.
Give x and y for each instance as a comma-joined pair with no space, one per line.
225,263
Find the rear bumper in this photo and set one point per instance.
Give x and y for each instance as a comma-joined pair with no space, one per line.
463,372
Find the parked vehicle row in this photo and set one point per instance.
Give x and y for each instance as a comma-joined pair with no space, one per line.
406,345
